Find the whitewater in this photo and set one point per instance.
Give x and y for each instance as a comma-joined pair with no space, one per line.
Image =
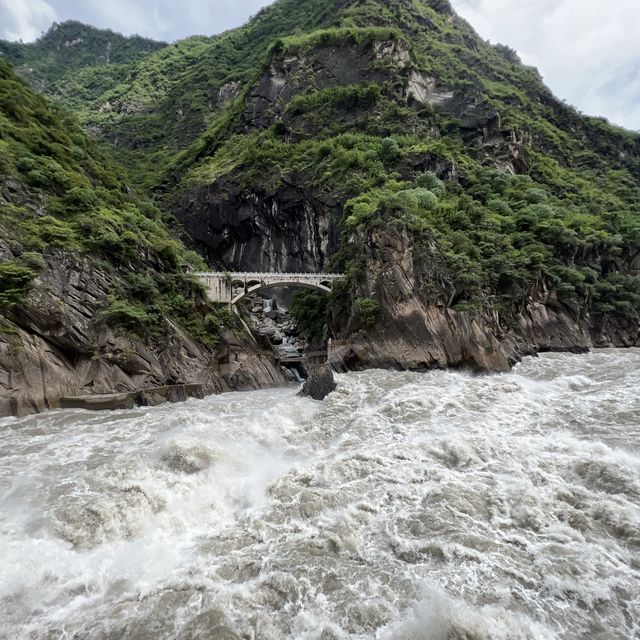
408,506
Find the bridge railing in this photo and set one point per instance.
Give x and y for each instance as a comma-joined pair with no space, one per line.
246,276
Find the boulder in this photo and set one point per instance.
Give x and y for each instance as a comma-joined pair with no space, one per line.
319,384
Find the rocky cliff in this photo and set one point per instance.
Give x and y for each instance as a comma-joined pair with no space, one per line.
458,209
476,217
413,329
52,345
93,292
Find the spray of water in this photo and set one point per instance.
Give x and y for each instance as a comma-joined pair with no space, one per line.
436,506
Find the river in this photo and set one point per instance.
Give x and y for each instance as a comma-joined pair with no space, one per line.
408,506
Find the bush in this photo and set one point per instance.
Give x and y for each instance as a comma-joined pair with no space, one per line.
47,231
360,209
418,200
389,150
130,316
32,260
141,286
430,181
366,310
309,309
15,282
78,200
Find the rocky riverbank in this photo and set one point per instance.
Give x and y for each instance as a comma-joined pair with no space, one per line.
416,329
53,350
53,347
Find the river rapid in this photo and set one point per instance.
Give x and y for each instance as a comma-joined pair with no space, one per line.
408,506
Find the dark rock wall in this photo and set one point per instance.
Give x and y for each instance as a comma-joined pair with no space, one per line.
285,229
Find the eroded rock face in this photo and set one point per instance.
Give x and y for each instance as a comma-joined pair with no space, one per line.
416,328
425,90
283,229
55,349
322,67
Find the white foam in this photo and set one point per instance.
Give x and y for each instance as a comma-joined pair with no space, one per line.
406,506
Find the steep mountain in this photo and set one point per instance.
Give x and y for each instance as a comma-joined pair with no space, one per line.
93,291
477,216
153,100
75,62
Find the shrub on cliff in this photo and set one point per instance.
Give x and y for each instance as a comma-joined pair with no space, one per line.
15,282
366,310
309,310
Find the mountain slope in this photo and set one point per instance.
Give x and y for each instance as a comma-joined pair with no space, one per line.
93,295
478,217
160,98
75,62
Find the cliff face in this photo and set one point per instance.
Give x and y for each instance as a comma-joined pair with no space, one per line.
415,330
291,222
284,229
53,345
94,297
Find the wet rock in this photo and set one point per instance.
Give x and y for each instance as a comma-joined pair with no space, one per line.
319,384
107,402
150,399
209,625
55,350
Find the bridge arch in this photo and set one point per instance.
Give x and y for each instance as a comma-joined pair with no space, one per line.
261,286
232,288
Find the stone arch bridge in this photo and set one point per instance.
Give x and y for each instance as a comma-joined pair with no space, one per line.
231,288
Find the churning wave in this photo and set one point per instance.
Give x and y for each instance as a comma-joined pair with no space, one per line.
435,506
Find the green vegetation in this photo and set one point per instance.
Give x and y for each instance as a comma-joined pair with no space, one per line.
366,311
155,99
310,310
351,97
511,193
70,197
88,203
15,282
70,46
296,45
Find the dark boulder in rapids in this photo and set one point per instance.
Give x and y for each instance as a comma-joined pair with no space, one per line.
319,384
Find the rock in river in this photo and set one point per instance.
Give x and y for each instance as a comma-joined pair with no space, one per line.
319,384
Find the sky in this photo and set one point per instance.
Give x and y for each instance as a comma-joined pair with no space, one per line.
588,51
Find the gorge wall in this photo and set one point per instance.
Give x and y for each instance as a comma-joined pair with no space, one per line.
476,217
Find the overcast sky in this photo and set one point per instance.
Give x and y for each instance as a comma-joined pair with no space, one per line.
587,50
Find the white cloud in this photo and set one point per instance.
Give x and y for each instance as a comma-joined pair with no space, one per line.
161,19
588,52
123,16
25,19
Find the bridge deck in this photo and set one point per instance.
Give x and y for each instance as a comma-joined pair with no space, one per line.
231,288
267,276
